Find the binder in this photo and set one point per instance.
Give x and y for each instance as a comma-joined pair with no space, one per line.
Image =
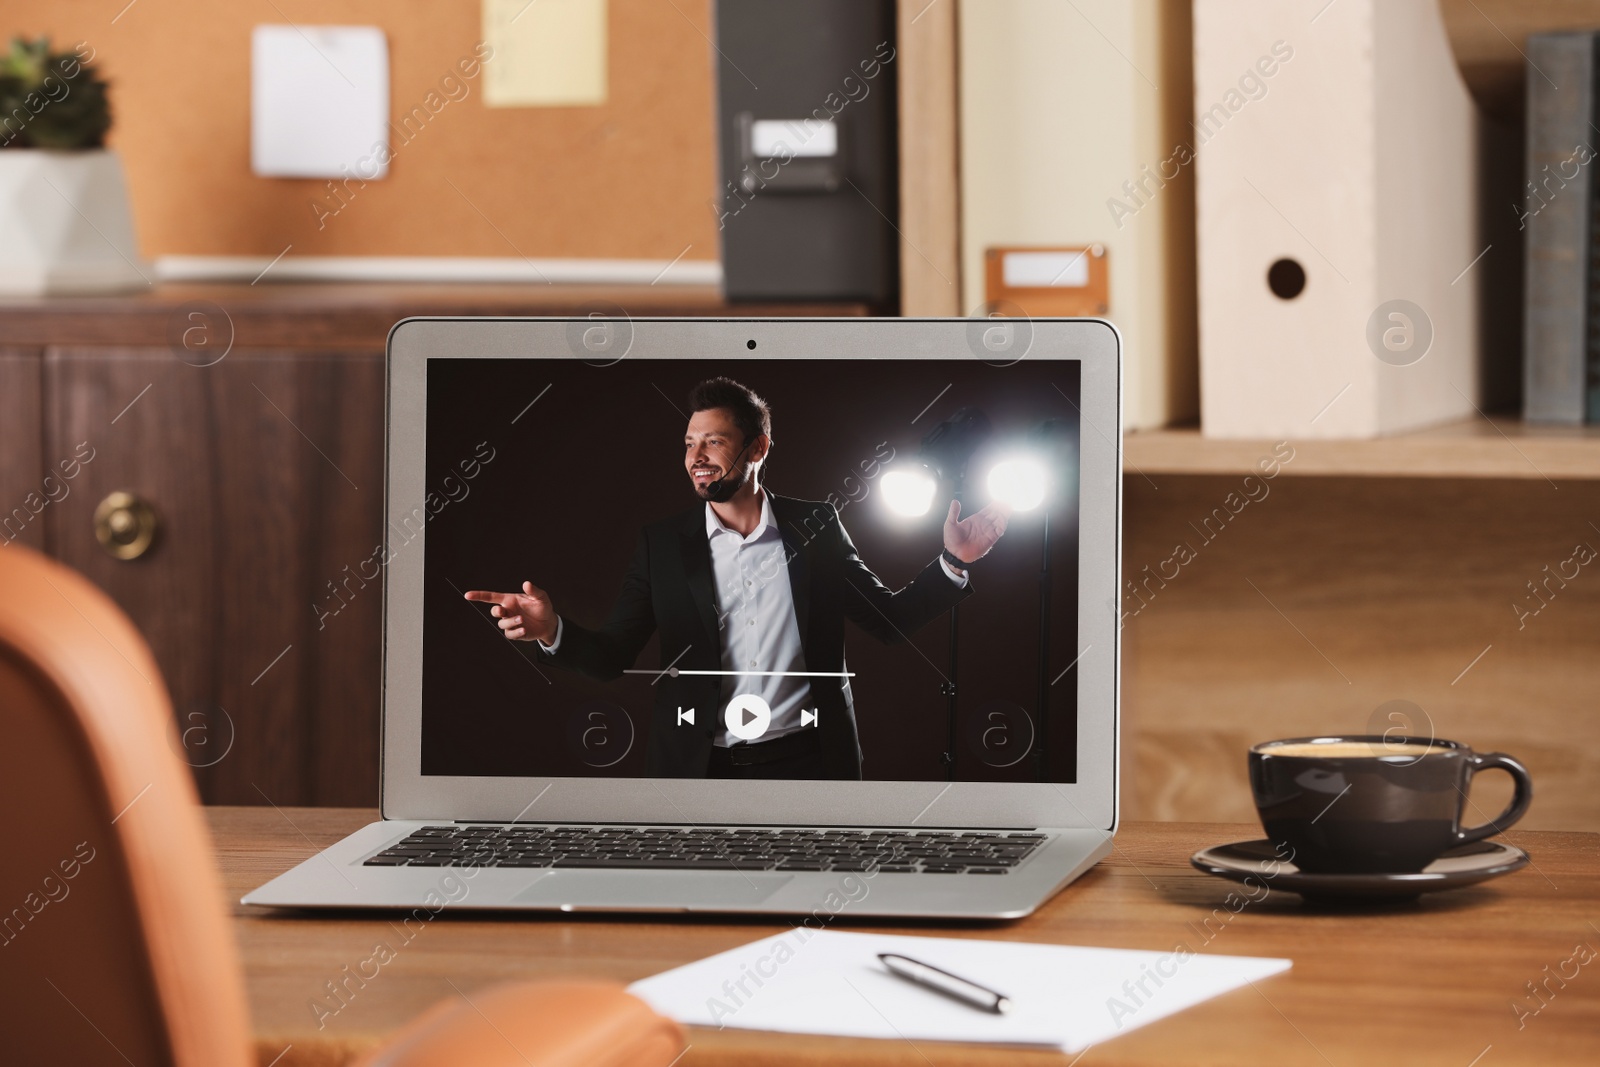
807,150
1074,134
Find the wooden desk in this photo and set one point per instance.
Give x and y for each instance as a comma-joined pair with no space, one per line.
1431,982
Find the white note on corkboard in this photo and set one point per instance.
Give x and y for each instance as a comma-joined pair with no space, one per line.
547,53
319,101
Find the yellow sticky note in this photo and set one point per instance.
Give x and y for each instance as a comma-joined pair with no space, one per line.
547,53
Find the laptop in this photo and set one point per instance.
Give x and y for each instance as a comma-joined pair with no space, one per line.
794,616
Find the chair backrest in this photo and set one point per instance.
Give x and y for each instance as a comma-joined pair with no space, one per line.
114,942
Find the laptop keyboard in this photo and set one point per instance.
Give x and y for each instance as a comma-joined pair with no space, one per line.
710,848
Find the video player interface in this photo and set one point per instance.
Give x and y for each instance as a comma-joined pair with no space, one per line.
750,569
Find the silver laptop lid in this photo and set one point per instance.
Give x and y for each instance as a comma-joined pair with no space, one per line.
558,451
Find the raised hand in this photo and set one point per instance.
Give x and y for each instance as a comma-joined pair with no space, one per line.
525,616
971,538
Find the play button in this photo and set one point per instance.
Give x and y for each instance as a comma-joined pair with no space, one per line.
747,716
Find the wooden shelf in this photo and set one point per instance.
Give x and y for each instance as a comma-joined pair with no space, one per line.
1476,448
1487,37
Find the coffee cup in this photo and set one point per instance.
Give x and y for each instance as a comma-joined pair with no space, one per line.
1374,804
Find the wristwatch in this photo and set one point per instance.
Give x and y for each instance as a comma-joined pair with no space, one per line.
955,561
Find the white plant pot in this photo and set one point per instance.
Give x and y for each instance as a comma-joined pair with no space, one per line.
65,225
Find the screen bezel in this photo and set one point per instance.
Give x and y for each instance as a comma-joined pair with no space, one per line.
1090,802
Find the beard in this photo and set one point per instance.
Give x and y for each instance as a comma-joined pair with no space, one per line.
722,489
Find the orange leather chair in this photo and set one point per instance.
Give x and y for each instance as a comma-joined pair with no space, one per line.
114,938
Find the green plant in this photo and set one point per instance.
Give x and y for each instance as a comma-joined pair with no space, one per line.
51,99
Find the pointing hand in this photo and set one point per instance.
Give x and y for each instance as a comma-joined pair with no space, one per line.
525,616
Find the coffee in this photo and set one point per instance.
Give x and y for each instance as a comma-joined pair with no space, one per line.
1350,805
1382,747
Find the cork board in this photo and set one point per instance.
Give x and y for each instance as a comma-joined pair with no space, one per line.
631,178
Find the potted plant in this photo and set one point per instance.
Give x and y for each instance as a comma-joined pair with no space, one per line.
64,220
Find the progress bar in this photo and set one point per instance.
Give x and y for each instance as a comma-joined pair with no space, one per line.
674,672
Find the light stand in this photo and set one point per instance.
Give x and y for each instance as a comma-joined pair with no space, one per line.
944,453
949,685
1041,735
1023,481
1042,438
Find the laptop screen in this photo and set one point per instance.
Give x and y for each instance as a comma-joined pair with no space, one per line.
751,569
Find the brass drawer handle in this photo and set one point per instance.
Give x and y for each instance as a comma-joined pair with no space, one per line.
124,525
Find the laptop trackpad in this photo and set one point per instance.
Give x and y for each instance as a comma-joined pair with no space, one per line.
601,890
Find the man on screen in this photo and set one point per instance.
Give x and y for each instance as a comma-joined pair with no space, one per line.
754,587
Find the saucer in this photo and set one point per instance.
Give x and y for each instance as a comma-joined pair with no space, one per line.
1460,866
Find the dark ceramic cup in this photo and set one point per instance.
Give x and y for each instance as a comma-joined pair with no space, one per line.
1368,804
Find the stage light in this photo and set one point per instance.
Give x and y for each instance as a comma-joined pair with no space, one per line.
949,445
1020,482
908,489
909,486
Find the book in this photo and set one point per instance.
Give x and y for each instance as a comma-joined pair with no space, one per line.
1561,368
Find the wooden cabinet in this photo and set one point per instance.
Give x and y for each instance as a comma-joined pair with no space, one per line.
250,422
264,474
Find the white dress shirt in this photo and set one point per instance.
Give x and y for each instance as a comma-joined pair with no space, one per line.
760,631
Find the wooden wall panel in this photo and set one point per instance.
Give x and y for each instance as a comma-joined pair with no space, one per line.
631,178
1365,590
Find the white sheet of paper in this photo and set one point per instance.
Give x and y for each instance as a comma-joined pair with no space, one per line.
319,102
831,982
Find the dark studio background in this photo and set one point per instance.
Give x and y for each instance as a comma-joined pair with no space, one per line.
600,454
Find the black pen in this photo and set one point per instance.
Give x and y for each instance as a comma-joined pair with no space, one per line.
951,985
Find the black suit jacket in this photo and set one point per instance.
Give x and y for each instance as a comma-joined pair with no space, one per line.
669,587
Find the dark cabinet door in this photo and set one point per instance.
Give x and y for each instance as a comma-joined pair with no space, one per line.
264,476
27,485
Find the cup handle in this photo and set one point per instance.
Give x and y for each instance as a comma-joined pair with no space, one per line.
1521,797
